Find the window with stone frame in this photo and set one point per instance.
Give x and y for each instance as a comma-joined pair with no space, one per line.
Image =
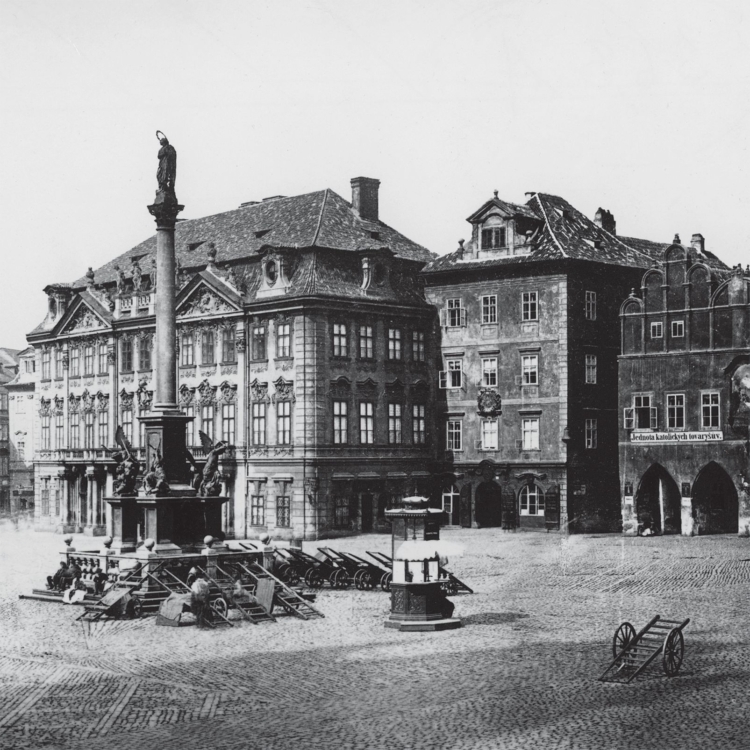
59,369
657,330
366,342
88,359
45,497
259,423
590,308
46,437
710,410
259,342
678,329
418,346
394,423
340,343
189,411
489,371
493,238
74,431
675,411
454,435
283,423
530,433
46,366
340,422
530,369
208,419
187,349
103,363
257,510
103,422
75,362
228,423
126,355
452,376
489,309
144,353
208,347
126,422
454,315
283,511
489,434
228,344
89,421
531,500
60,431
591,430
418,431
529,306
366,422
591,367
283,340
394,343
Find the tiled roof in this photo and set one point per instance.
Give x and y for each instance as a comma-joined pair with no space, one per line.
566,233
321,219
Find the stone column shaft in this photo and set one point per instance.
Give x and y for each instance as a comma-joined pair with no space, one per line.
166,364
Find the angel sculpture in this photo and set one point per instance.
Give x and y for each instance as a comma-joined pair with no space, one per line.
211,484
196,474
155,482
128,467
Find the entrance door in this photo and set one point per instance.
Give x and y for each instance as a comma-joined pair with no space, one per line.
715,502
657,502
366,512
452,505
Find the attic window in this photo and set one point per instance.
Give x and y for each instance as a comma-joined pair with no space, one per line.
194,245
493,238
262,232
375,235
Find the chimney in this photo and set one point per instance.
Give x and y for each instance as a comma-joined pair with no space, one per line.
606,221
365,197
698,243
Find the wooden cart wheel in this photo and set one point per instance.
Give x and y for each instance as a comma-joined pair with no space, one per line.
623,635
313,578
136,611
340,579
221,606
292,578
358,579
385,581
674,650
285,573
366,580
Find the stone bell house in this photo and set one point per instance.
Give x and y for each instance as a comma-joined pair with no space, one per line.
304,342
684,378
529,313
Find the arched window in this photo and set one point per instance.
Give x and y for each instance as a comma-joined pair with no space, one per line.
532,500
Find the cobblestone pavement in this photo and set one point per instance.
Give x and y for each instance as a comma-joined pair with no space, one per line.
521,673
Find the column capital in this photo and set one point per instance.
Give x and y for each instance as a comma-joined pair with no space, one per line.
165,208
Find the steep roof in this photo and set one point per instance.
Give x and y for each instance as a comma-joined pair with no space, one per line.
320,219
566,233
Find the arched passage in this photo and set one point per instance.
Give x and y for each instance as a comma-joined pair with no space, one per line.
715,501
657,502
488,509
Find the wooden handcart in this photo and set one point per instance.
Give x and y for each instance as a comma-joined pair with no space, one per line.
632,652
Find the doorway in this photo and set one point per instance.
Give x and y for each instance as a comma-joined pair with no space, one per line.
715,502
657,502
366,512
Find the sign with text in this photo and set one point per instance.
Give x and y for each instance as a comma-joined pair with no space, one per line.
677,437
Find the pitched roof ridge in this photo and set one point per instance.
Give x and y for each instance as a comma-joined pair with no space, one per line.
320,218
629,247
549,226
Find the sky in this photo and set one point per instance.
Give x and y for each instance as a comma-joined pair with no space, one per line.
641,108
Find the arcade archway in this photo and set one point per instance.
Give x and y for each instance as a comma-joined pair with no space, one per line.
715,501
488,509
657,502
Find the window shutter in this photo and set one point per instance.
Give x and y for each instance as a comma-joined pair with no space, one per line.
463,317
443,379
654,418
628,418
443,317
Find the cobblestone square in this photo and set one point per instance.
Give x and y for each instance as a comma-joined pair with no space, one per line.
521,673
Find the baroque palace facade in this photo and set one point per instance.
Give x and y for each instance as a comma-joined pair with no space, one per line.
304,342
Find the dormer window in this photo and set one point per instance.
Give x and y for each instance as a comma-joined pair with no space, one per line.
493,238
272,272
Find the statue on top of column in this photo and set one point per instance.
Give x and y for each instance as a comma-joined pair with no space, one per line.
167,171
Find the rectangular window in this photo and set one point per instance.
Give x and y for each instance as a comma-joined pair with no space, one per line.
417,346
341,511
454,435
144,353
676,411
102,359
45,498
489,434
710,411
208,349
46,437
678,329
366,422
283,340
530,369
283,510
530,433
46,368
190,426
257,510
591,433
59,431
259,423
75,362
489,371
127,423
644,412
59,370
591,369
187,350
228,423
228,344
259,343
284,423
657,330
366,345
455,315
394,423
418,424
532,501
489,309
394,343
88,359
493,238
103,438
590,305
88,429
340,422
340,344
452,377
74,440
126,351
207,420
529,306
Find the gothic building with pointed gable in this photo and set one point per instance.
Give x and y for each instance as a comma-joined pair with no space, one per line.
304,342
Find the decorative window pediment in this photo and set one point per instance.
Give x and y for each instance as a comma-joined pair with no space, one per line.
83,320
206,393
186,395
227,392
284,390
44,407
204,301
259,391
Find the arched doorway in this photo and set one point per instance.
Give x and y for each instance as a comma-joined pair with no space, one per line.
531,506
452,505
715,502
657,502
488,510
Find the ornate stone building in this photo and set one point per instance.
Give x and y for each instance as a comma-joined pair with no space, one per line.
529,319
8,370
684,375
304,341
21,430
